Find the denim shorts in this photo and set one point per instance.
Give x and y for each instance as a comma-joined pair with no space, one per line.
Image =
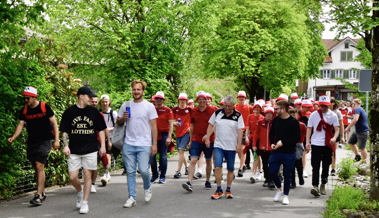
360,137
229,157
197,148
182,142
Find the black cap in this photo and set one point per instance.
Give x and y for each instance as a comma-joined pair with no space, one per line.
85,91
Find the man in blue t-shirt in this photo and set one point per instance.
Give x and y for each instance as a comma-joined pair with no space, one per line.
361,133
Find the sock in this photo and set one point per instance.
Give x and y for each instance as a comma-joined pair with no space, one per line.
219,188
200,171
227,188
85,202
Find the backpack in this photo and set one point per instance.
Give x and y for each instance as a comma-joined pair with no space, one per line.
43,108
110,113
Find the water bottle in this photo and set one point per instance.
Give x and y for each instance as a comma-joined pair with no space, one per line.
180,121
128,108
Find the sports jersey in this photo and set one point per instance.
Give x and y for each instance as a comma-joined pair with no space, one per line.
185,116
200,121
164,115
245,111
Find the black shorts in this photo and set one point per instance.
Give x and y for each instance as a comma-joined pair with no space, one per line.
107,150
38,152
243,138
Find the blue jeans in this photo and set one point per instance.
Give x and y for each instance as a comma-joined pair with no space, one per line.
288,161
130,156
229,156
162,150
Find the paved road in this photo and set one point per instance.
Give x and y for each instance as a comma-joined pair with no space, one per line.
171,200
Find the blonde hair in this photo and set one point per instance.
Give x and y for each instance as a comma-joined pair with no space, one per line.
357,101
143,83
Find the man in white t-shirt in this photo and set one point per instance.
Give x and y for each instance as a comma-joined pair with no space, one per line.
140,126
229,131
322,147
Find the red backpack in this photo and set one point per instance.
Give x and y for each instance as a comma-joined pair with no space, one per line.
43,108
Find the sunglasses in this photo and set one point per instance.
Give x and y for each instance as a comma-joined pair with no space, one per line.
27,98
158,98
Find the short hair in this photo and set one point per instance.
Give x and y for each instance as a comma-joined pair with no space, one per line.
143,83
292,111
229,98
357,101
283,104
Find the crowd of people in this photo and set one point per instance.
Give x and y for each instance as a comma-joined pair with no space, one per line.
270,138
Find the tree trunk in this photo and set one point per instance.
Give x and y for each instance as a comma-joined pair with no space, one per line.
374,111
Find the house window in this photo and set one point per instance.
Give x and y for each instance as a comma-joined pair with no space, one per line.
326,74
339,73
352,74
346,55
346,45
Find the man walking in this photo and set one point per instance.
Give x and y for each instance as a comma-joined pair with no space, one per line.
229,127
165,127
322,143
141,128
361,133
40,121
284,134
198,131
82,123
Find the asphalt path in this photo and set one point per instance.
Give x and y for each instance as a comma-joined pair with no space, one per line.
171,200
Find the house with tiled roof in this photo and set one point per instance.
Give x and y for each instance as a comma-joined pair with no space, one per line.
339,64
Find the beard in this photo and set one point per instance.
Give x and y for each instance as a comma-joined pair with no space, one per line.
137,96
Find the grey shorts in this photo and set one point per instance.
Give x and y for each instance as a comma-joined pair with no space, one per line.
38,152
360,137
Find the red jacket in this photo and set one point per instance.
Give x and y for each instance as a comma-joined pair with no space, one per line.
261,133
303,132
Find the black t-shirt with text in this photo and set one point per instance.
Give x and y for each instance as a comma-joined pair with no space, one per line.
37,124
82,125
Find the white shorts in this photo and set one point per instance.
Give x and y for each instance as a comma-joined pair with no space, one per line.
87,161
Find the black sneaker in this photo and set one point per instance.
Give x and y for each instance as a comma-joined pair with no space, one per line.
301,180
293,186
187,186
333,172
271,185
197,175
186,171
123,173
248,167
358,157
208,185
43,196
36,200
265,184
177,175
240,173
244,168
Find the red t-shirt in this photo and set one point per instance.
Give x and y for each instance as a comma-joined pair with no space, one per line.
344,113
164,115
252,123
200,122
185,116
245,111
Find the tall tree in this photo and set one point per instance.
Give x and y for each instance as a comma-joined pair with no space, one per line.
115,41
264,44
361,18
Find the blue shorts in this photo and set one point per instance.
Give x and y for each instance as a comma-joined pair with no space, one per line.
229,157
182,142
197,148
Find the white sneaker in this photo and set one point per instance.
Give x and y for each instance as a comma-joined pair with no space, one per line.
93,189
148,195
285,200
84,208
277,196
108,177
130,202
79,200
259,176
104,180
305,174
253,179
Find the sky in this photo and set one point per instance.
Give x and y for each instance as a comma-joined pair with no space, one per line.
327,34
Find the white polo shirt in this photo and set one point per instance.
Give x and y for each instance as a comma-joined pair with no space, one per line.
318,137
226,129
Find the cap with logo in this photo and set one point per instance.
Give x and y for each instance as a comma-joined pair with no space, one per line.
208,95
190,101
159,94
282,97
268,104
201,94
152,98
324,100
241,94
105,97
269,109
30,91
257,104
85,91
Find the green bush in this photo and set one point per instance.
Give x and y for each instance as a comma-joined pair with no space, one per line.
346,168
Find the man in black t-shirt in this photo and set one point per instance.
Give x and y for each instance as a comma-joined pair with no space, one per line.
41,124
81,122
